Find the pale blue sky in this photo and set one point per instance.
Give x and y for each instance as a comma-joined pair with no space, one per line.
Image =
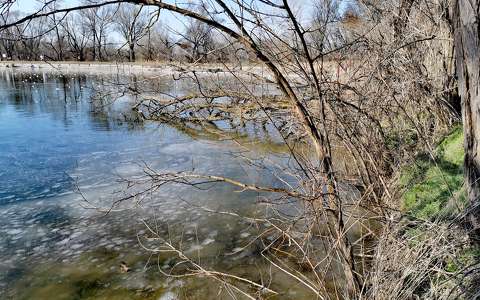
173,22
31,5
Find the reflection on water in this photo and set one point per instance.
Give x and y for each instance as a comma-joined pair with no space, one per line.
47,128
53,140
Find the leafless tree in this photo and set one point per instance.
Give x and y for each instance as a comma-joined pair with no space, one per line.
8,37
325,29
56,37
132,22
76,34
157,44
98,21
31,39
197,40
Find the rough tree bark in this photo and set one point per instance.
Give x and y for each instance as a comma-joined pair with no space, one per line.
466,24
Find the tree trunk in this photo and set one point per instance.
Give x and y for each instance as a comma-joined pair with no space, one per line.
59,40
466,24
99,42
131,52
94,45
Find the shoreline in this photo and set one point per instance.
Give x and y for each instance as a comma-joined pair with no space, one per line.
127,68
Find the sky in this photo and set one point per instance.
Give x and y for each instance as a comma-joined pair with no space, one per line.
30,6
173,22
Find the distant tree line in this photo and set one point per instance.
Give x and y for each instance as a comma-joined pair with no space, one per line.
127,32
121,33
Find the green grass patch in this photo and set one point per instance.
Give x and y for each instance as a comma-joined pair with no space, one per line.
433,187
465,258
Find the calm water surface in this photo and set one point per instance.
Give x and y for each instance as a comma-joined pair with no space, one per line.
53,143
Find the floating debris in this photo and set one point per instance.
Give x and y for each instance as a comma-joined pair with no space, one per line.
123,267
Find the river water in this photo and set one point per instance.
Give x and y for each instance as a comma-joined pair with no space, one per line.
58,149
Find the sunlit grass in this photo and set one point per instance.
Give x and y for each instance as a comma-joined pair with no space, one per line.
433,187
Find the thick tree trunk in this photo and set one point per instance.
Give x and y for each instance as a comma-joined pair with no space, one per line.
466,24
